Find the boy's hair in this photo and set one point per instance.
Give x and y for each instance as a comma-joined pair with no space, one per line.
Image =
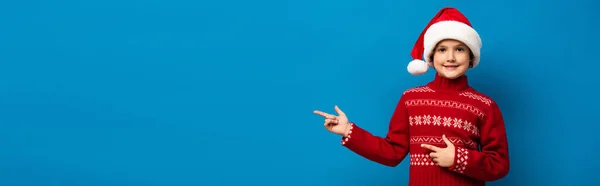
448,23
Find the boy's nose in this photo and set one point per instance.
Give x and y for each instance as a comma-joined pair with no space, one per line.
451,59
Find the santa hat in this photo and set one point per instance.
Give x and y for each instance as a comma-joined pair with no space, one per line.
448,23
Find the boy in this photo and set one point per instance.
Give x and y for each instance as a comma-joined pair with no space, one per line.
443,123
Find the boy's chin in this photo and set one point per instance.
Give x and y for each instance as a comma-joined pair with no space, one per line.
451,74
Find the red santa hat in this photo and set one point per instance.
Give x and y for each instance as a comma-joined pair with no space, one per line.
448,23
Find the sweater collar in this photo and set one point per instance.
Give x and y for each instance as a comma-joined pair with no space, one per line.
445,84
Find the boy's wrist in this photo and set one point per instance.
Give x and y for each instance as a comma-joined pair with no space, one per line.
347,131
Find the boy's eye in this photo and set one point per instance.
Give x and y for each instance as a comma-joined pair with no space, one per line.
460,49
441,49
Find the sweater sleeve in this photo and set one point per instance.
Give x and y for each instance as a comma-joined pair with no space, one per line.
492,162
389,151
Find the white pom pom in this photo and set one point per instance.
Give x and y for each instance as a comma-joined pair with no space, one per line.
417,67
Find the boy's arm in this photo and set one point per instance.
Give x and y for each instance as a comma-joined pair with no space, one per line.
492,163
389,151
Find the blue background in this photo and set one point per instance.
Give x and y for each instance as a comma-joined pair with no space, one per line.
177,92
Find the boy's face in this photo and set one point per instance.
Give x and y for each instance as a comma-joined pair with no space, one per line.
451,58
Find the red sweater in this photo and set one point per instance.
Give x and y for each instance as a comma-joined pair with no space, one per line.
469,119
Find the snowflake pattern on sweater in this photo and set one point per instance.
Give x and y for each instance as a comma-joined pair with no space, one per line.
471,120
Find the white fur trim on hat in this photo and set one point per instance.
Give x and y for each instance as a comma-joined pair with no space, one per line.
452,30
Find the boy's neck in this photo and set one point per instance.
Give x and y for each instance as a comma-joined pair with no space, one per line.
442,83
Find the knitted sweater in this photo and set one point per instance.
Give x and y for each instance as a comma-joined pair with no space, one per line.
470,120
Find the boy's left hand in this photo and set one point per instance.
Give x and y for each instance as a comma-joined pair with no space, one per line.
443,157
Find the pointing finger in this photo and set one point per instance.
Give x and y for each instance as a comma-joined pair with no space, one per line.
430,147
326,115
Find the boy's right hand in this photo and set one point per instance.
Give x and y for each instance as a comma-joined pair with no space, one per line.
336,124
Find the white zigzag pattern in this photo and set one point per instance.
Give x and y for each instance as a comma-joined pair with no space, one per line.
437,140
419,89
443,121
445,103
477,97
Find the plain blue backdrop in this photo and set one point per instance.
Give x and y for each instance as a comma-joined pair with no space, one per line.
181,93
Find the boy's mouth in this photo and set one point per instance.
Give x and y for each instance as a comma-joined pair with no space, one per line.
450,67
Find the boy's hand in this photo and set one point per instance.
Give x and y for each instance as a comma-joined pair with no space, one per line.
443,157
336,124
